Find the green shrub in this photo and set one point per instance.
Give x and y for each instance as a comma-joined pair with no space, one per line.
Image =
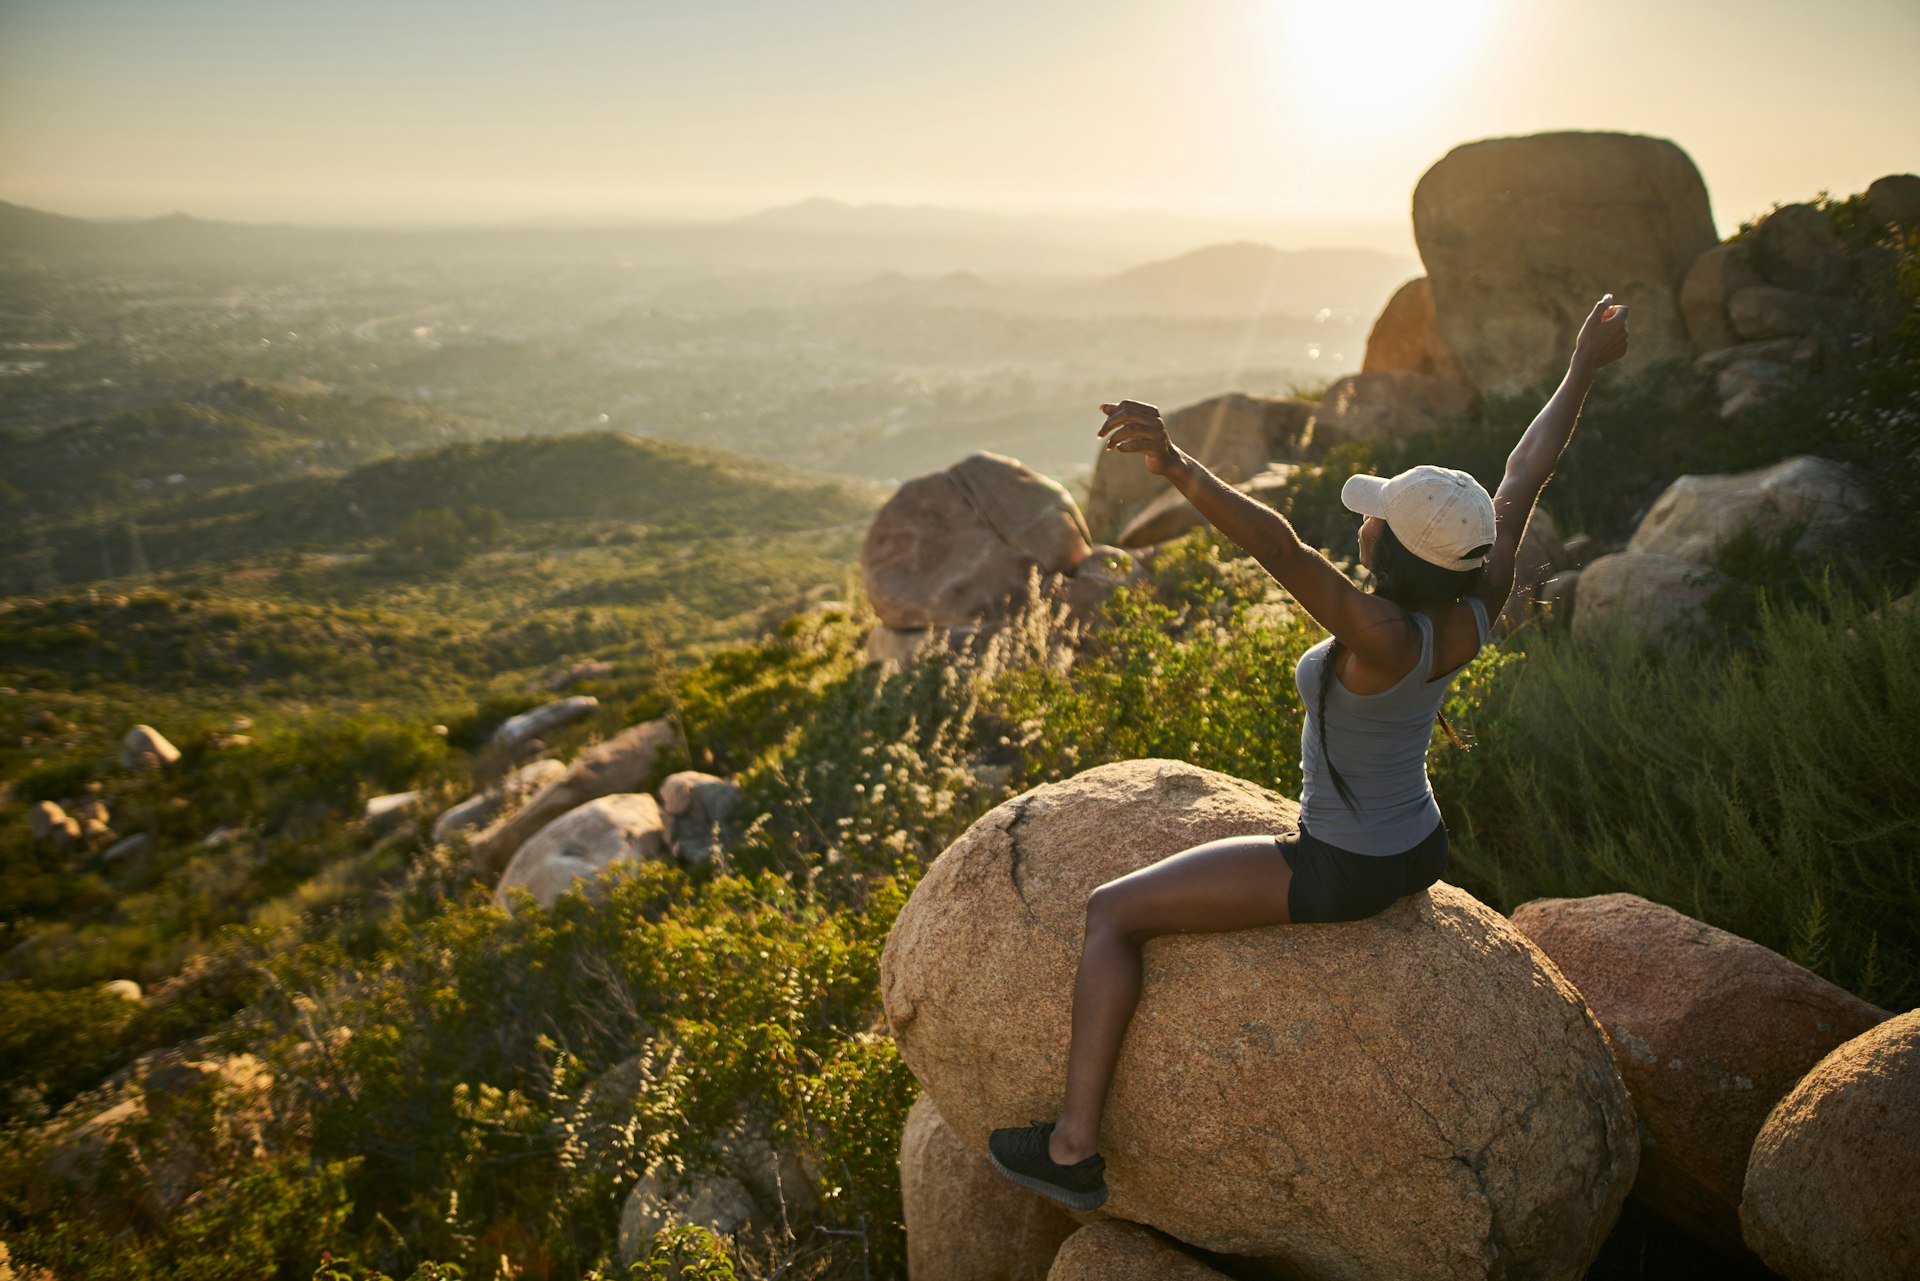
1771,792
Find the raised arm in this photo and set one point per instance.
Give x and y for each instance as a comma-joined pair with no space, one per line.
1602,340
1371,627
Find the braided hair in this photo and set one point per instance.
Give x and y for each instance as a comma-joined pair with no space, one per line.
1414,585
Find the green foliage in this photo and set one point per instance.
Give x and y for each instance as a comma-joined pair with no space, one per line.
448,535
684,1253
1774,794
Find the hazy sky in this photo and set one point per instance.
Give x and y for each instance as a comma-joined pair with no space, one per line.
1320,115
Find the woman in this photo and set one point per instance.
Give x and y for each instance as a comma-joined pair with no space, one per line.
1442,556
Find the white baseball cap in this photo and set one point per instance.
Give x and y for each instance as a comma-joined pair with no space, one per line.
1439,514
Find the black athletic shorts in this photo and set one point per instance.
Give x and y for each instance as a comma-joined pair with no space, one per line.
1332,884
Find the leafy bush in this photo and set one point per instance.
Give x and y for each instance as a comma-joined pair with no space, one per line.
1774,794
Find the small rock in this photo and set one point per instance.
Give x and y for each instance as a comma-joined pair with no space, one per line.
592,669
515,732
379,807
719,1203
699,815
1119,1251
144,747
125,989
44,818
128,847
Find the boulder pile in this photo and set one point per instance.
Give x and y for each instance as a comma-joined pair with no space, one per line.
1710,1031
1418,1094
1660,584
1235,436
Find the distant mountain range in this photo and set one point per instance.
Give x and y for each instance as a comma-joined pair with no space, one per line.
823,235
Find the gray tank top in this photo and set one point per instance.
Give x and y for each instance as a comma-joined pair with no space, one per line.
1379,741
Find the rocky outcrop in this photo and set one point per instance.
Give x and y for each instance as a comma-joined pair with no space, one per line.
621,764
583,843
698,809
1895,200
1660,599
1520,236
1389,404
1234,436
483,807
143,747
1830,1180
179,1116
1418,1094
1710,1031
517,731
1172,515
1696,515
587,669
959,545
1116,1251
964,1221
1407,336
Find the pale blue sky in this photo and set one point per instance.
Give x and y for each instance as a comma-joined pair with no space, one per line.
1320,115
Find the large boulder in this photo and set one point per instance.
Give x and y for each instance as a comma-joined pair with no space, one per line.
1696,515
1415,1095
1660,599
1520,236
1407,336
583,843
143,747
959,545
1831,1178
1388,404
516,731
1796,247
1760,312
964,1221
621,764
1895,199
1715,276
1710,1031
1118,1251
1234,436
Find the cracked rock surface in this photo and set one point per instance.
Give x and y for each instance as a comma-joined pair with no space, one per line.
1416,1095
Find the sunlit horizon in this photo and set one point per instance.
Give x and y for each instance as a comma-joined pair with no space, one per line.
1307,124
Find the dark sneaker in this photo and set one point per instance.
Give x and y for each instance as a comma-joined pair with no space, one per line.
1021,1155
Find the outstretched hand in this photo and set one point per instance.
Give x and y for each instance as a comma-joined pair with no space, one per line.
1603,338
1136,428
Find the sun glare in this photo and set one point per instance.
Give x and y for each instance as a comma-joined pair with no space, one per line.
1365,64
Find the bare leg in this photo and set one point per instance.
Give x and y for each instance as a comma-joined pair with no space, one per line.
1236,883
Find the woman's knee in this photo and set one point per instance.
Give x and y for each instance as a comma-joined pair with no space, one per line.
1116,908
